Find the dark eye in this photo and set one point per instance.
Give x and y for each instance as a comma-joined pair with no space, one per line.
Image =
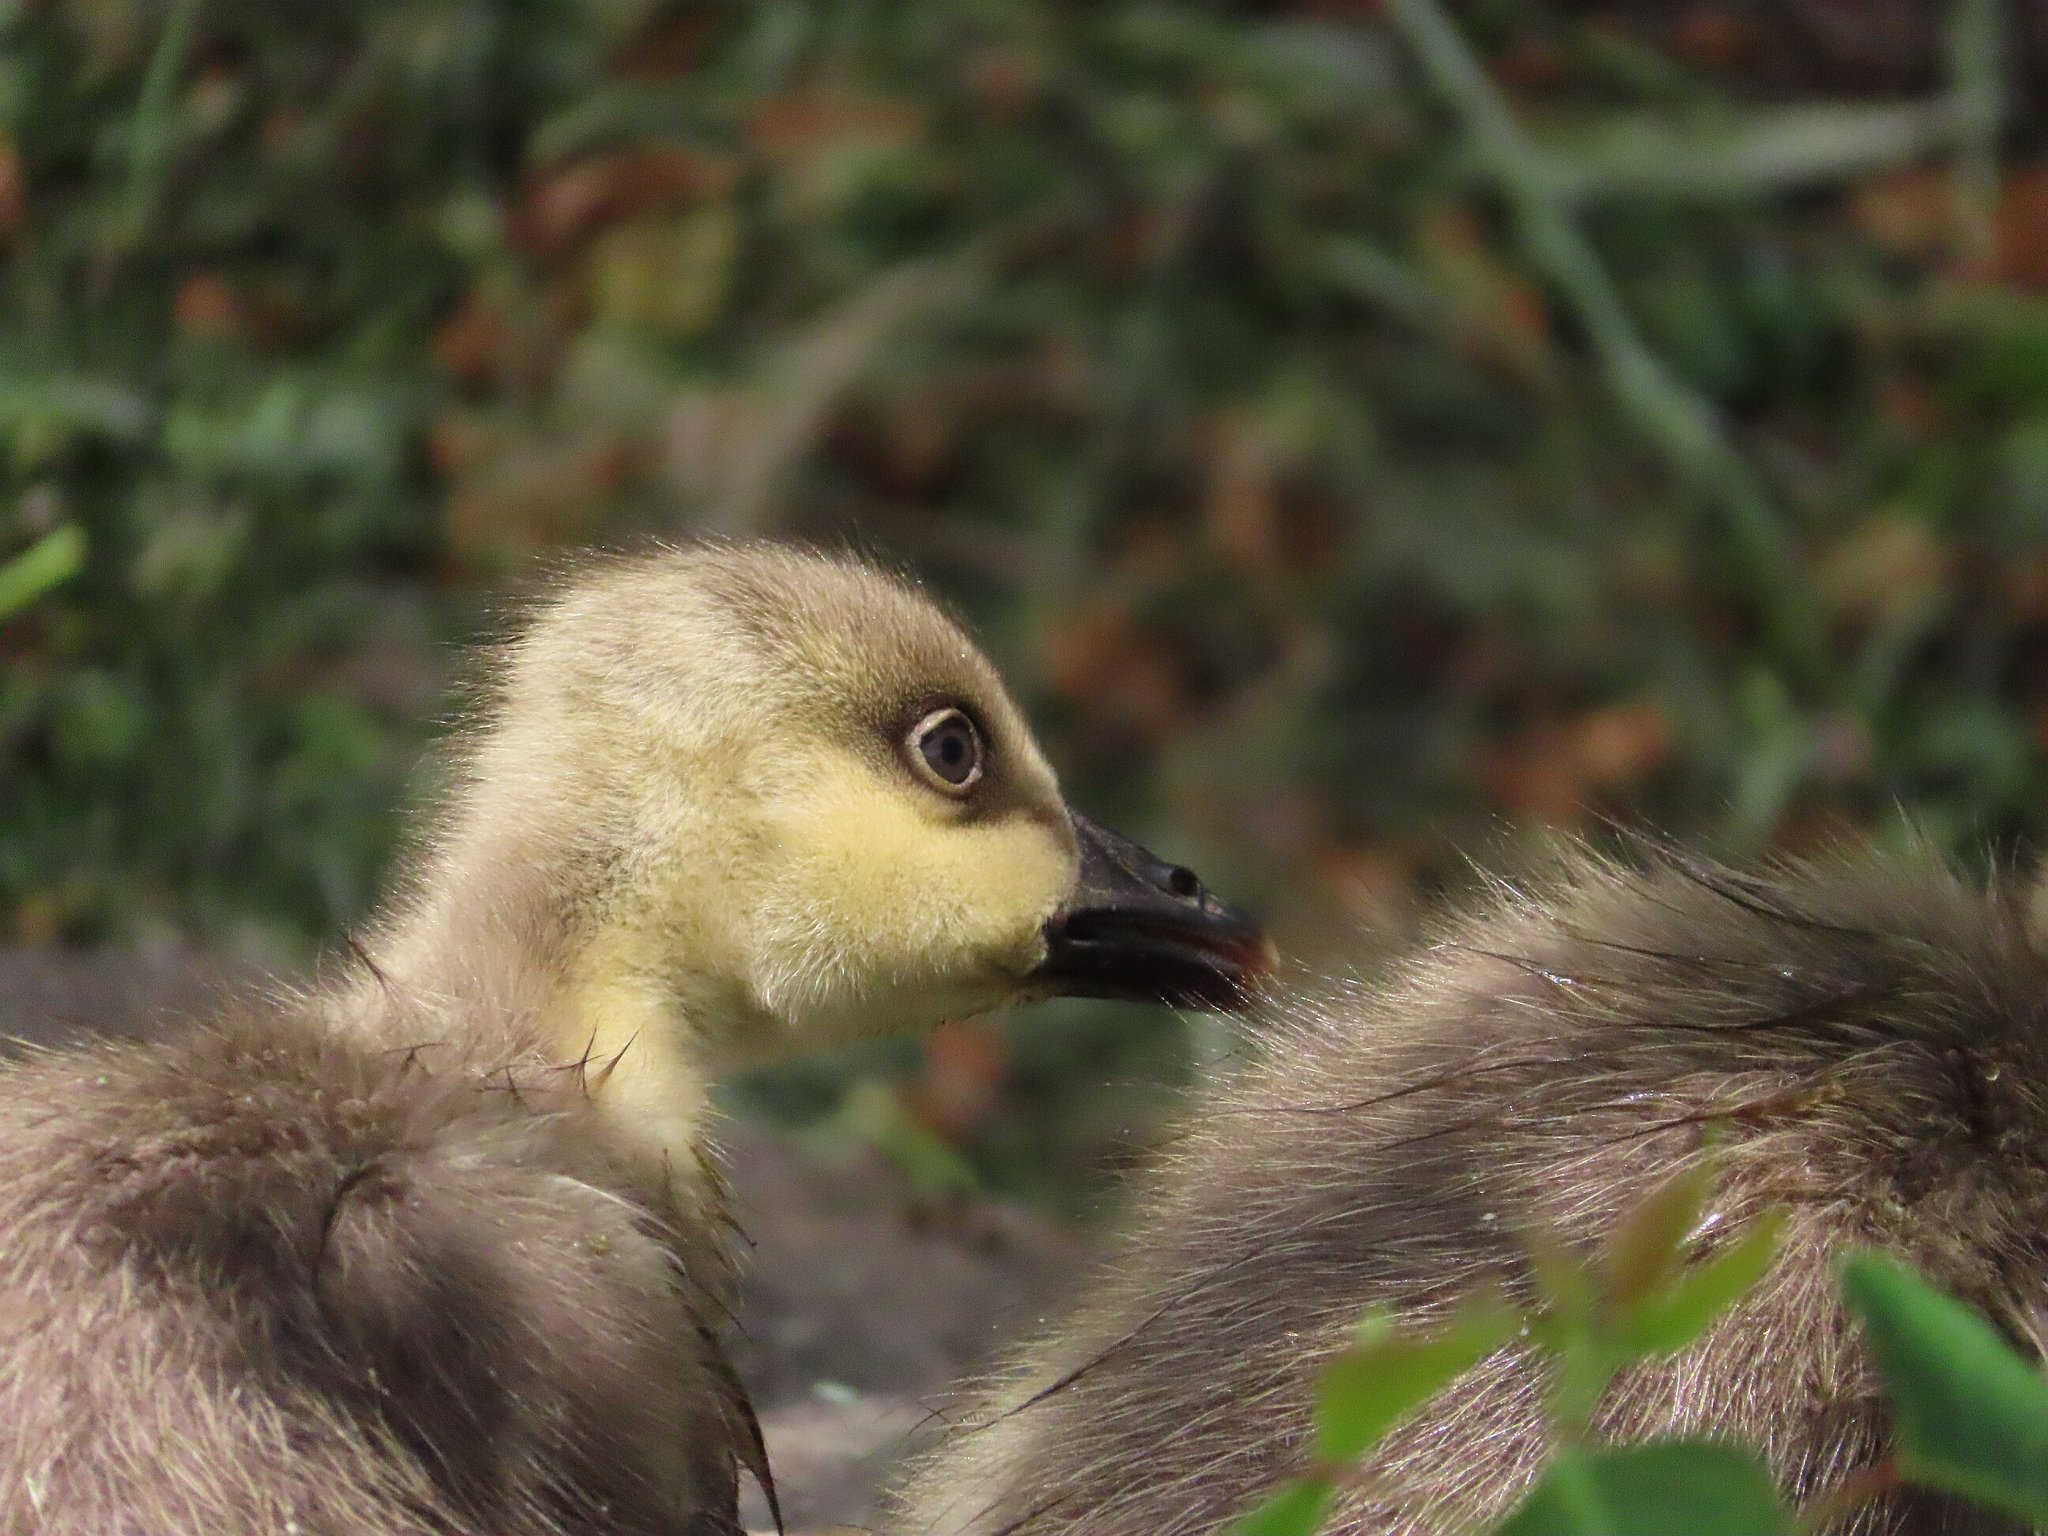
946,748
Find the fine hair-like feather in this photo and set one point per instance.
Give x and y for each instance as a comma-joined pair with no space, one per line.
270,1275
1867,1035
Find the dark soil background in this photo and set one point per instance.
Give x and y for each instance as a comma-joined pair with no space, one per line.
862,1300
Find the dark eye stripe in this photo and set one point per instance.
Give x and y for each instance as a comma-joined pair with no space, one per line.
947,749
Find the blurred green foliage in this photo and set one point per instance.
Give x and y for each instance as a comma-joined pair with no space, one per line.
1199,351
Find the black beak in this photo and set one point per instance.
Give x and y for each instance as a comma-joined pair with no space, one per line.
1137,927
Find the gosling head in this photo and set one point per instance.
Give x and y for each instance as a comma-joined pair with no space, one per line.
735,801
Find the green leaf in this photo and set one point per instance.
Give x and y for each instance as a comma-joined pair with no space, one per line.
1647,1247
49,562
1566,1281
1694,1486
1971,1414
1570,1327
1387,1374
1663,1325
1296,1509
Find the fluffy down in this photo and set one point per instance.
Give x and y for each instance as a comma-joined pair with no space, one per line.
1869,1036
259,1278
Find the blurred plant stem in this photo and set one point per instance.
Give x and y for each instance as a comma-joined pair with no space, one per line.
1781,149
810,375
1685,428
153,131
1976,75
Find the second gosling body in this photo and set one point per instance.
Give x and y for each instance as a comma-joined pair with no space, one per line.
1867,1037
436,1248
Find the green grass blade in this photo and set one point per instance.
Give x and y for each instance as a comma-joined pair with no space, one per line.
49,562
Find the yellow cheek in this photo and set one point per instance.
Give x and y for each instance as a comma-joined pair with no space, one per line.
879,893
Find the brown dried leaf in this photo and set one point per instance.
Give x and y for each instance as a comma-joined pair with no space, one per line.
1100,657
568,202
1240,501
2020,248
456,443
470,344
1714,36
1536,774
208,306
2023,585
667,49
965,1065
1909,212
1889,565
13,189
801,125
1500,315
1005,82
1621,744
523,503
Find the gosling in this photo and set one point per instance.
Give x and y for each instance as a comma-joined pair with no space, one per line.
1867,1037
436,1247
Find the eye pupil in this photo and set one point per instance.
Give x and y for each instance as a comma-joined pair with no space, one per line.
949,747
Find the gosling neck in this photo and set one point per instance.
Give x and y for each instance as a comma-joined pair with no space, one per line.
543,955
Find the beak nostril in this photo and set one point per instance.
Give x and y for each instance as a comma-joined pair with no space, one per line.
1136,926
